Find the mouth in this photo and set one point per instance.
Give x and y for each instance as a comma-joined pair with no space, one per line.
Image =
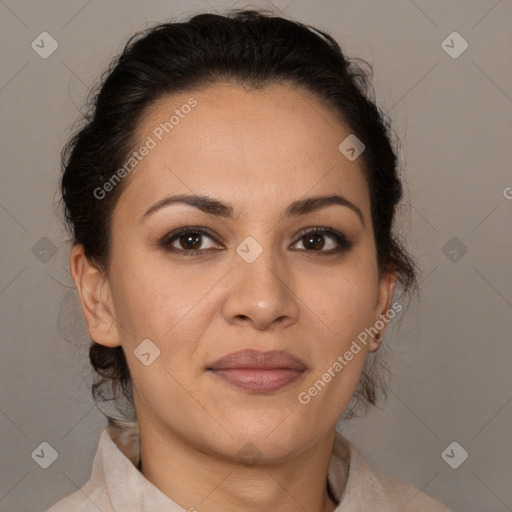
258,371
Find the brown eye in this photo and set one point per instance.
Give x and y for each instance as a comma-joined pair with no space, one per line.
189,241
315,241
194,241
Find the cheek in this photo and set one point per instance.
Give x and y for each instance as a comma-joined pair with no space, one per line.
343,300
150,298
343,305
172,308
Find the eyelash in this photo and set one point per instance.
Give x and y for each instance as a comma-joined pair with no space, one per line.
343,243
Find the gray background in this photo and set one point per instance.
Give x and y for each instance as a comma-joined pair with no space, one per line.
451,353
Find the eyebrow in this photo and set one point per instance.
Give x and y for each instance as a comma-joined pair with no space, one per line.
215,207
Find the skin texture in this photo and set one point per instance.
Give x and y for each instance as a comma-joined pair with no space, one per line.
258,150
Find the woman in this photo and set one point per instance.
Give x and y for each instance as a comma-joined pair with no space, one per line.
231,199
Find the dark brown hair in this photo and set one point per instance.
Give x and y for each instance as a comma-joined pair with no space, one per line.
249,47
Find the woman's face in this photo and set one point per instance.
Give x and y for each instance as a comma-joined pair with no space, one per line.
245,275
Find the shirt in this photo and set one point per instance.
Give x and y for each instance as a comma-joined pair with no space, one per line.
117,485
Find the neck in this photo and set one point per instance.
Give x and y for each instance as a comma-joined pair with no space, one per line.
198,481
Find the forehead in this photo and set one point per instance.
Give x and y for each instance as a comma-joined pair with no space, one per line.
260,147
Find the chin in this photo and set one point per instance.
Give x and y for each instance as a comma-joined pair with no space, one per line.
271,436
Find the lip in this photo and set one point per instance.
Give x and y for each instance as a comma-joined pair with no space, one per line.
258,371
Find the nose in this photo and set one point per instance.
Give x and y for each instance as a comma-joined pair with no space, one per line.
261,293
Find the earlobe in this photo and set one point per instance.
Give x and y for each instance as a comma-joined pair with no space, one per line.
94,292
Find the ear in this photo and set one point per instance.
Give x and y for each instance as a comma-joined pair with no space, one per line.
94,290
387,283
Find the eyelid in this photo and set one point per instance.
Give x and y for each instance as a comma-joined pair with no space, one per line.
344,244
165,241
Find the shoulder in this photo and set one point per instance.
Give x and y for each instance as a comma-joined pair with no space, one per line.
405,497
368,490
93,495
87,499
